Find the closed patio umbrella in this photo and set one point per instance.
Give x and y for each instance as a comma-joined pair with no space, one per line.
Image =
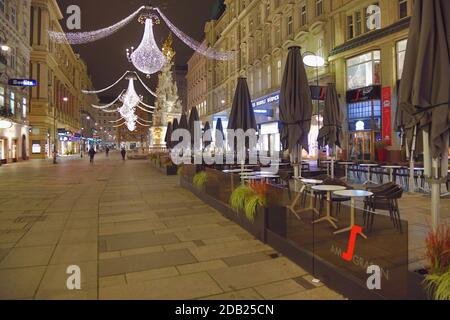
242,115
219,134
193,123
331,133
205,129
175,124
425,89
183,124
168,136
295,108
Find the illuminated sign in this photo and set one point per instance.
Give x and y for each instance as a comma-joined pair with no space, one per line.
360,126
273,98
22,82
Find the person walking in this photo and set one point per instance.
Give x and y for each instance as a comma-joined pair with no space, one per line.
92,154
124,153
107,151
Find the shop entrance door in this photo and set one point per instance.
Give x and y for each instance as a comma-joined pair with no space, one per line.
361,146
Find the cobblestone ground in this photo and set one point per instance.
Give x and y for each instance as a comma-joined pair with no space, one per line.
134,233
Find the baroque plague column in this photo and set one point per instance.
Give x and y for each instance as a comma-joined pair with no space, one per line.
167,105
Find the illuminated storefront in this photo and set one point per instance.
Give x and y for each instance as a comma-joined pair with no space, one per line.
364,107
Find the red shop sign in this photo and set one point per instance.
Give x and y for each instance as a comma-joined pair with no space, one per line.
386,96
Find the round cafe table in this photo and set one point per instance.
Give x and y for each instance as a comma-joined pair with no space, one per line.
346,164
307,183
391,171
328,189
352,194
369,167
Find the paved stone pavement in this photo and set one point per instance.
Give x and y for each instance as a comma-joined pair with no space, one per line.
134,233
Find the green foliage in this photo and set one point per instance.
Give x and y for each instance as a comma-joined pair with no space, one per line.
245,199
238,197
251,205
438,285
180,170
200,180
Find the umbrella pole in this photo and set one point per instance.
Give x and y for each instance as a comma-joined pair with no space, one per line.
411,162
332,161
435,194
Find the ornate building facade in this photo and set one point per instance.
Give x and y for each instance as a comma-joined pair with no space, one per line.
196,84
14,64
362,42
57,101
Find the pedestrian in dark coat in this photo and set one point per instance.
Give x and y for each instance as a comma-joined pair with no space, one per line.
124,153
92,154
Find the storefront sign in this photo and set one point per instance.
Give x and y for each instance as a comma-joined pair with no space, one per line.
364,94
267,100
387,107
22,82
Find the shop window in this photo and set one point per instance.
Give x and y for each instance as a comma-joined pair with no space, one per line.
402,8
364,116
401,51
364,70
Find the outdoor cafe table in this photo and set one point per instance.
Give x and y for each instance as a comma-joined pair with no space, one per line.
369,167
352,194
306,183
391,171
328,189
346,164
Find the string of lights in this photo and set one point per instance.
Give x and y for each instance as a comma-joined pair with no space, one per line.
107,88
195,45
91,36
144,85
109,104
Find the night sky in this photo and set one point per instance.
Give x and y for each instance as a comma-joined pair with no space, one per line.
106,58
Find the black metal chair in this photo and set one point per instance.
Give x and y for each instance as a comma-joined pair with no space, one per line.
384,198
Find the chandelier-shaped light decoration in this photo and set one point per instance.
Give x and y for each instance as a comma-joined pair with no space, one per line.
147,57
130,102
91,36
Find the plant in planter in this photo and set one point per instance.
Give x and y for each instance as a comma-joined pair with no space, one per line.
199,180
247,198
437,282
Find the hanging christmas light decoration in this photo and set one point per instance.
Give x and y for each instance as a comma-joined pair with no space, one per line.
130,101
147,57
86,37
195,45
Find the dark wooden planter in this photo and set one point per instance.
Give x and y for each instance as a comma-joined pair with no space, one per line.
171,171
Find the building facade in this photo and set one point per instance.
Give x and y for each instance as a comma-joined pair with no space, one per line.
57,101
106,122
196,84
362,42
14,64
